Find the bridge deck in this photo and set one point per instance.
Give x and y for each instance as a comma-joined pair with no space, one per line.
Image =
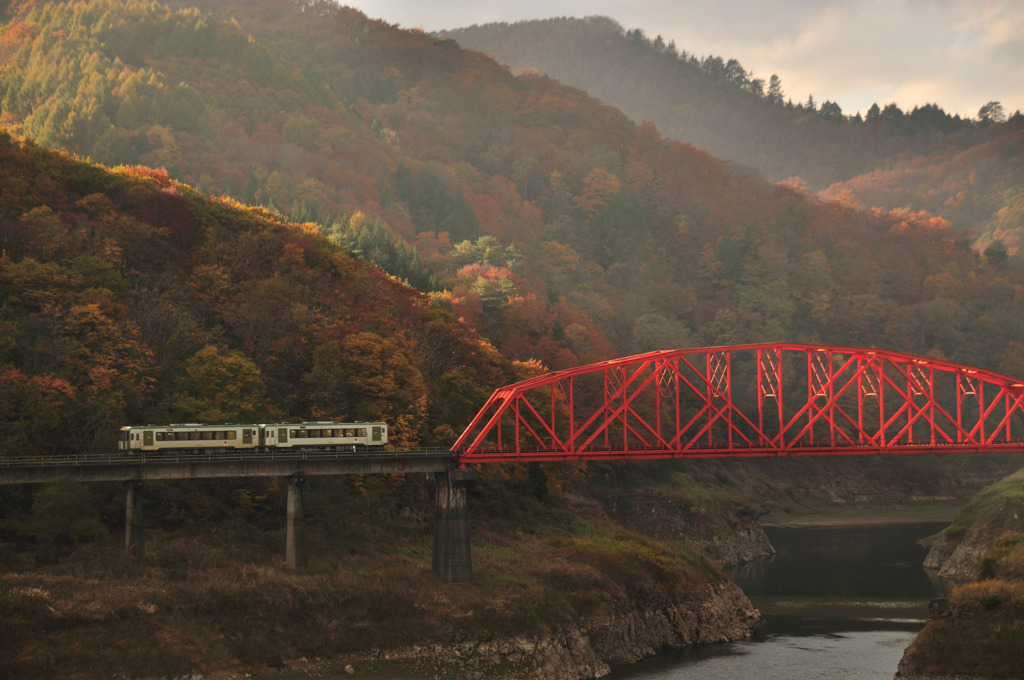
163,466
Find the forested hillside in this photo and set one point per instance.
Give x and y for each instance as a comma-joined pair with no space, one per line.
546,220
127,297
980,190
968,171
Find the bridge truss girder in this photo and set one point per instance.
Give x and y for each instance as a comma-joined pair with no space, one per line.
749,400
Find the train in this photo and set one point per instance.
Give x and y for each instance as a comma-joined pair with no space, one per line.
321,435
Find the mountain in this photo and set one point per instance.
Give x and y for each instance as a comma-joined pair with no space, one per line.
543,218
925,158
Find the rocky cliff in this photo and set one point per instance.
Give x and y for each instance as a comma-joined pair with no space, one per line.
956,553
975,631
585,650
730,535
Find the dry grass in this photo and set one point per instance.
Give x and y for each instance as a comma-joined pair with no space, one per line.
203,604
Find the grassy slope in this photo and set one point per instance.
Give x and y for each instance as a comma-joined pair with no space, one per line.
215,598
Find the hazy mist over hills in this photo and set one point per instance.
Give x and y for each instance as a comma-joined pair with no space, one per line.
716,105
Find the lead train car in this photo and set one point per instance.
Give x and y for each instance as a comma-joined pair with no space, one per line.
325,435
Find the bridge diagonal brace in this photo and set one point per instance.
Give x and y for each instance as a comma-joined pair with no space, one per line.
813,412
555,440
612,415
715,413
1012,408
1016,408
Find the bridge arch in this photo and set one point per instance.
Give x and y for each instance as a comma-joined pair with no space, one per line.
773,399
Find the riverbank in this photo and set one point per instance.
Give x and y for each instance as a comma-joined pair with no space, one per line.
211,599
571,610
580,653
557,598
839,601
866,514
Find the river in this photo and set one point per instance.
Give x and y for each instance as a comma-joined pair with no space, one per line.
840,603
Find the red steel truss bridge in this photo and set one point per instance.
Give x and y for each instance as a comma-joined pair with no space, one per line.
775,399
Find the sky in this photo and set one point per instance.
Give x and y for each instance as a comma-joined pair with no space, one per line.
959,54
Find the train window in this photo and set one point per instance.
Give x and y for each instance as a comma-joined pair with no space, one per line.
231,434
361,432
193,435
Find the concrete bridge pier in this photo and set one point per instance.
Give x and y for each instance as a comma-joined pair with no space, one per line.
452,561
134,540
295,530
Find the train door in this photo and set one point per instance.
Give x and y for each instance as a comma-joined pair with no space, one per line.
282,436
377,434
147,439
247,436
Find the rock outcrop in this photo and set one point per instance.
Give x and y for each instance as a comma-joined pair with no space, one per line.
731,536
585,650
975,632
959,559
723,614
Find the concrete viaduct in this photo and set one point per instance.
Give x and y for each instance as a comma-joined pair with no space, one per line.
451,556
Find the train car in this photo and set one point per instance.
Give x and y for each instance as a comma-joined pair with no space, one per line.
188,436
326,435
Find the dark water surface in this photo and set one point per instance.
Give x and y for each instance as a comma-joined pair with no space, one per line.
839,603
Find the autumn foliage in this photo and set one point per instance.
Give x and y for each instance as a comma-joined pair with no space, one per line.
128,298
531,214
